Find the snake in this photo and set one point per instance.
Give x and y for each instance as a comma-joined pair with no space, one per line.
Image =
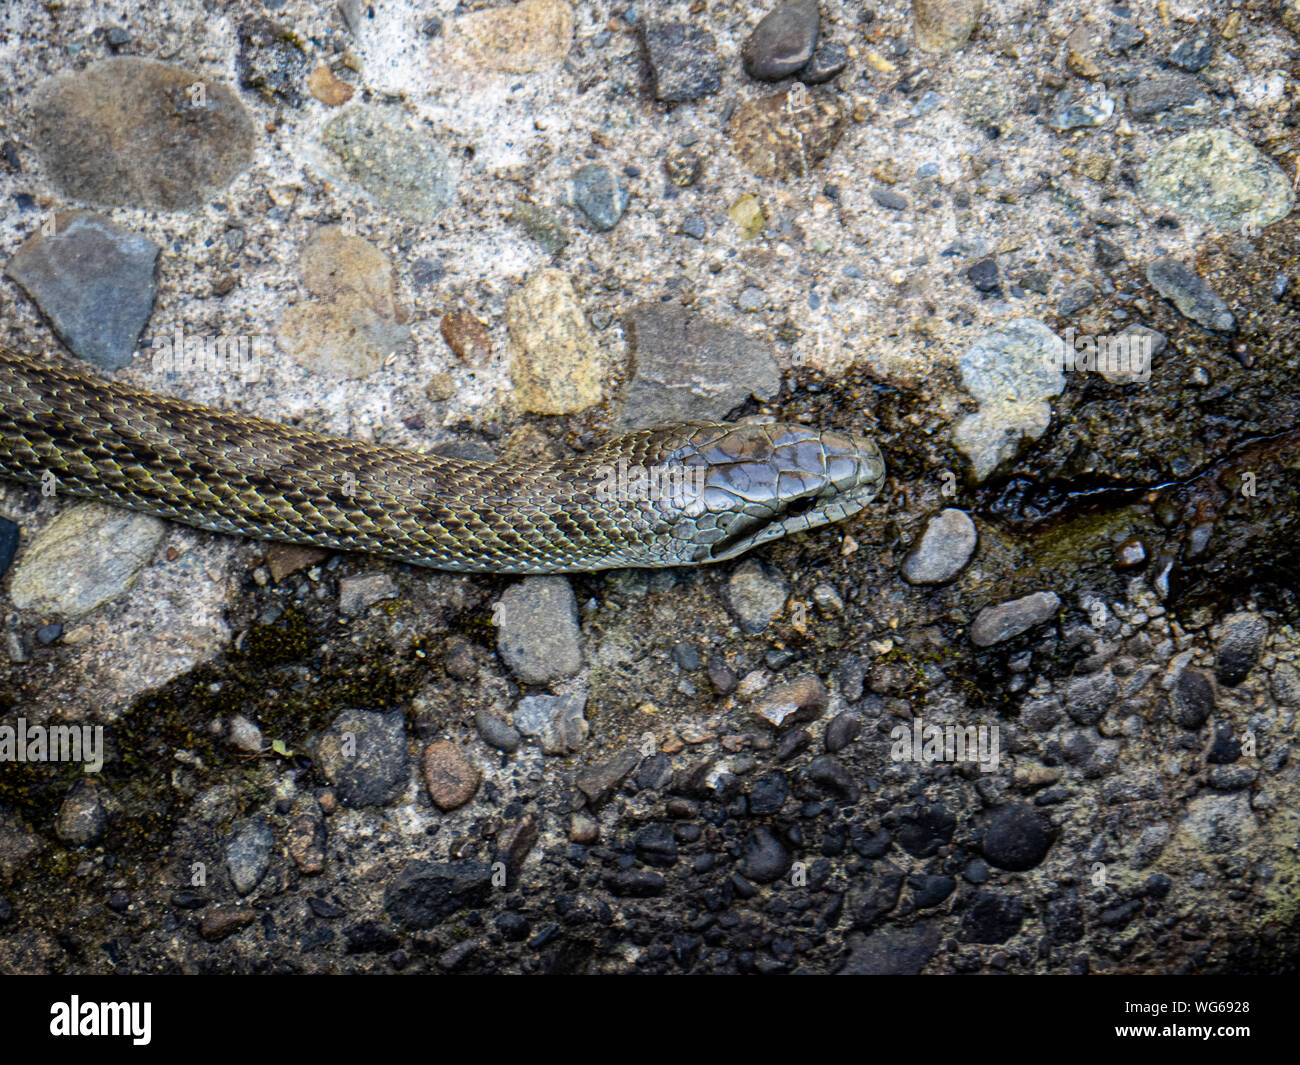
670,495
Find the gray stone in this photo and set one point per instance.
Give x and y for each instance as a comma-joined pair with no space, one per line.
1073,112
600,196
394,158
766,857
942,550
598,782
828,59
426,893
995,624
89,555
683,60
1220,178
1075,298
1286,684
127,132
1087,698
363,754
95,281
83,817
1195,52
358,594
891,951
1239,647
497,733
1190,294
555,721
755,595
1220,823
538,636
783,41
248,854
685,367
1012,371
792,702
1150,96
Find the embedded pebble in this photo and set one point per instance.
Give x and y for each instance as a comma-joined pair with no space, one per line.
683,60
363,754
755,595
523,38
89,555
248,854
557,722
538,636
94,280
1192,697
942,550
944,25
792,702
783,41
164,138
828,60
358,594
1239,647
449,776
555,364
996,624
1190,294
83,816
1220,178
600,196
1017,837
497,733
786,135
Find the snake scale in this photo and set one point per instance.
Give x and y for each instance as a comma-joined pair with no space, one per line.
666,496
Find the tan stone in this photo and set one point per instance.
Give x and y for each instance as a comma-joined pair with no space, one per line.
514,38
328,88
786,135
945,25
449,776
555,364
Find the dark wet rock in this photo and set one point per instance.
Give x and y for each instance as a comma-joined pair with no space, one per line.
1150,96
557,722
1231,777
992,918
684,168
598,782
792,743
450,777
755,595
1107,254
842,730
1063,919
767,794
95,281
829,58
1286,684
425,893
248,854
1225,747
942,550
1087,698
654,773
930,889
786,135
1239,647
363,754
128,132
635,883
995,624
1195,52
893,201
271,61
683,60
944,25
874,895
766,857
83,816
1192,699
396,160
1017,837
538,636
599,194
783,41
370,937
892,951
18,844
1125,35
922,830
685,367
792,702
686,656
514,843
830,775
497,733
656,845
9,537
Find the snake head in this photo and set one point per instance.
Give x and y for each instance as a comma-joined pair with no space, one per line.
761,482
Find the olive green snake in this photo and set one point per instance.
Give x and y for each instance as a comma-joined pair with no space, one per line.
666,496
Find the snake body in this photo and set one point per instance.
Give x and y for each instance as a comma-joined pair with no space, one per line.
666,496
